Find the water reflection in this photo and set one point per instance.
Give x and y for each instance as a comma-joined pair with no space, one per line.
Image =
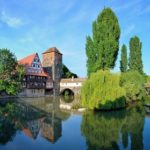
32,121
41,120
114,130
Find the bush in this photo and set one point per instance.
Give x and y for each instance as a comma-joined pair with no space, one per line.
76,105
147,100
147,79
102,91
133,83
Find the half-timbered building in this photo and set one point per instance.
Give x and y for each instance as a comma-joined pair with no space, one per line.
34,83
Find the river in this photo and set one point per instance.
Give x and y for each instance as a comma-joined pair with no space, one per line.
39,124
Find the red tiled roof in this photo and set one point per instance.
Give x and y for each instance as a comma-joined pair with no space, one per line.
27,60
52,49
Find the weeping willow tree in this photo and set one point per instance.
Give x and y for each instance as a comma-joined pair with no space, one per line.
102,91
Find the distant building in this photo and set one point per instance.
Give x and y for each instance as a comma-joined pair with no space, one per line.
42,78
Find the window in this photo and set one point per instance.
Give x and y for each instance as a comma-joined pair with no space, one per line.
33,65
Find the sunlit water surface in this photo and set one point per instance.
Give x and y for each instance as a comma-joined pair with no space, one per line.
39,124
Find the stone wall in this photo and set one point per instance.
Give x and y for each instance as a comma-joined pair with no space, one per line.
32,93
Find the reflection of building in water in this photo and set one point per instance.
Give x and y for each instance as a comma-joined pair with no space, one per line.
32,128
47,104
33,121
51,129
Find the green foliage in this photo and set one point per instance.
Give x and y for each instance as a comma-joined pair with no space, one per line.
91,55
147,100
102,48
135,58
124,60
67,73
11,74
133,83
102,91
147,79
8,62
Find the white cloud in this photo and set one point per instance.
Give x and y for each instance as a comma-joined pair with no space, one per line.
10,21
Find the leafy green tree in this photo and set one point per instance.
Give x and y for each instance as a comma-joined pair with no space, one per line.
135,58
67,73
102,48
8,63
124,60
133,83
11,74
148,79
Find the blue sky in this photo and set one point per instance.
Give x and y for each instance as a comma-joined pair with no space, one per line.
29,26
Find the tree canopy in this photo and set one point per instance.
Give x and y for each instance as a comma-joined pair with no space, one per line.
11,74
102,48
135,58
124,60
67,73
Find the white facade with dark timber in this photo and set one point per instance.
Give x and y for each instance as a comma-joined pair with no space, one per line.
73,84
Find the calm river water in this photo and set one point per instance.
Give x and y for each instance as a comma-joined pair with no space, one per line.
39,124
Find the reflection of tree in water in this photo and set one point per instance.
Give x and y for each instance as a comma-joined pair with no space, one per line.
8,123
7,131
102,130
133,127
29,119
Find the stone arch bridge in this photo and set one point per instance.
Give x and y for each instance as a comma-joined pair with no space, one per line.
72,84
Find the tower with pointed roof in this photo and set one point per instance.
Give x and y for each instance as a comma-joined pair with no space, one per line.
52,64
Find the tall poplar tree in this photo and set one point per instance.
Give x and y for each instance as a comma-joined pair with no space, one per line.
124,60
135,58
102,48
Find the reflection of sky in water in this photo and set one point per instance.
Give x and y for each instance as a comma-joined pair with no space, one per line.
60,130
146,133
71,139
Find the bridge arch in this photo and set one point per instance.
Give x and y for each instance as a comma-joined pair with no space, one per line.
67,95
67,91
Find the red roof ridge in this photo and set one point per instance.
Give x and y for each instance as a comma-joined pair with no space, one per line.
27,60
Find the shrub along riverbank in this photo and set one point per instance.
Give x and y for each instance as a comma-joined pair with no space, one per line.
108,91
